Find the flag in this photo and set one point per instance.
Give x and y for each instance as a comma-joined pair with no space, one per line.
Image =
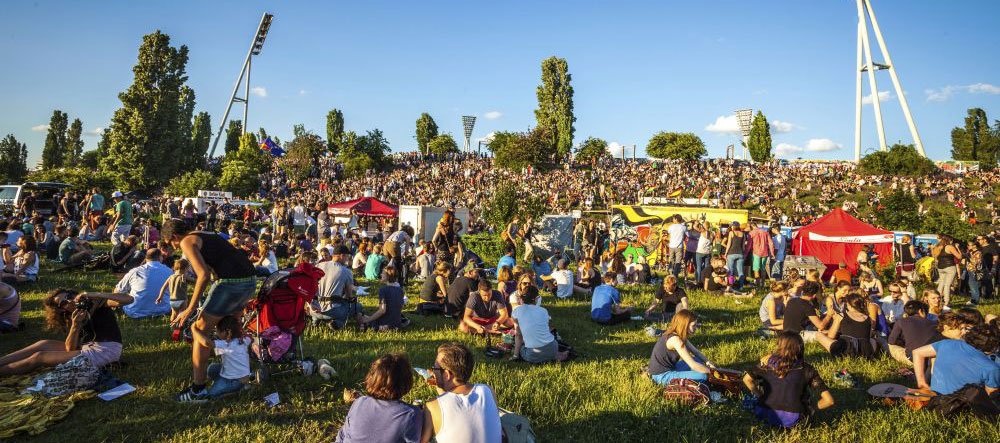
272,147
704,194
676,193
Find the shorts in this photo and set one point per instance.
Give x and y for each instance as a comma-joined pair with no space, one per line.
544,354
485,322
177,305
101,353
757,263
615,319
227,298
221,385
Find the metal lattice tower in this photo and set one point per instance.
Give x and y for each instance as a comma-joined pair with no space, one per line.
468,122
867,64
745,119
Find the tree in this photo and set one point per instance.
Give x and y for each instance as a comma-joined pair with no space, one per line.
759,141
898,160
938,222
592,149
146,135
976,141
511,199
442,144
555,105
334,130
899,212
676,145
303,153
13,160
54,151
427,130
233,133
187,157
74,143
189,183
518,150
90,159
242,168
201,138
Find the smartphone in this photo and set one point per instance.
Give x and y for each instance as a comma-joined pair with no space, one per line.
425,374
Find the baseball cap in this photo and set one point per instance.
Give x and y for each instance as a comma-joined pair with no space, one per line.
117,194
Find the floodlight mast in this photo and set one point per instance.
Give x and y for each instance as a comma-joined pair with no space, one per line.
468,122
256,45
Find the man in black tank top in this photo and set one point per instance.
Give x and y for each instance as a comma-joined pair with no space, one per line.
211,258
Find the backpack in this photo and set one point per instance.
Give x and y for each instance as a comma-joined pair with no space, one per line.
516,428
687,392
971,398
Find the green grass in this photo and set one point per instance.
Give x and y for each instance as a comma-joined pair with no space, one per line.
601,396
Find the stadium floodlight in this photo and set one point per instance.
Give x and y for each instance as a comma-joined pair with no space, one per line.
867,64
468,122
745,118
256,45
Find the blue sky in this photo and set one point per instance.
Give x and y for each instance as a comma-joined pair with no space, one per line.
638,67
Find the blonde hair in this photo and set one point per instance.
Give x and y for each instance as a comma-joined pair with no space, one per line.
680,325
504,274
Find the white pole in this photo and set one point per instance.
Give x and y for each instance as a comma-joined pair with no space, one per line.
871,78
246,101
857,97
895,80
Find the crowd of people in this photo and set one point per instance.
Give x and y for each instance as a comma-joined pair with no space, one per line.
201,269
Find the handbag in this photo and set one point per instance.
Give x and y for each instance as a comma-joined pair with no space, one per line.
687,392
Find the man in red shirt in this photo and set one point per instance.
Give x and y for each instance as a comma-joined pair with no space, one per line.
762,247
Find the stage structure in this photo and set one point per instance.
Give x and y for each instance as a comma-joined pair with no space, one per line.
867,64
468,122
745,118
256,45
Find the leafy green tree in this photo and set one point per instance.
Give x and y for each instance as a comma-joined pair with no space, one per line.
80,179
375,146
146,136
977,141
427,130
939,222
518,150
74,143
189,183
201,138
592,149
242,168
676,145
233,133
90,159
13,160
334,130
104,144
555,105
511,199
54,152
759,141
442,144
303,153
898,160
187,156
899,212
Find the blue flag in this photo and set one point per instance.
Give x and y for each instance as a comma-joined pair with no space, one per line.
272,147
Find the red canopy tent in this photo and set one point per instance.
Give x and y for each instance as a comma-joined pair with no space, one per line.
838,237
367,206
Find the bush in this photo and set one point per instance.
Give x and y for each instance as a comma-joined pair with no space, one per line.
519,150
79,179
898,160
899,212
442,144
487,246
676,145
188,184
509,201
938,222
592,149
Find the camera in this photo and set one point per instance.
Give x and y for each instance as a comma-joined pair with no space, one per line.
85,304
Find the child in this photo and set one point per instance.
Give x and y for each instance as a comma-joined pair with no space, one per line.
232,348
177,285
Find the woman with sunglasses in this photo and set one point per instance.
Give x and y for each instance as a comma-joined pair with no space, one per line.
91,327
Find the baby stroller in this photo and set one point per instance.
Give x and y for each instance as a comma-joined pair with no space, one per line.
276,318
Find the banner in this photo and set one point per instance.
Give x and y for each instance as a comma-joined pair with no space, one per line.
865,239
215,194
640,226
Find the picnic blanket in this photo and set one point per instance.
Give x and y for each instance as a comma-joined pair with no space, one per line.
31,413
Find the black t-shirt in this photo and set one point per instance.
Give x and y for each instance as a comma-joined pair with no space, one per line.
486,309
101,327
788,393
990,253
392,298
670,301
224,259
458,290
797,313
913,332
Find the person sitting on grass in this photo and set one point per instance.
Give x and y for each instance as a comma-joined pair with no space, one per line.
912,331
389,315
563,280
801,316
485,312
375,263
92,332
772,307
126,254
233,348
74,251
935,304
508,259
459,291
542,269
10,309
670,297
716,276
176,287
525,281
381,416
143,283
23,264
960,362
870,286
606,303
434,292
852,330
534,342
587,276
462,412
782,383
505,281
674,356
893,305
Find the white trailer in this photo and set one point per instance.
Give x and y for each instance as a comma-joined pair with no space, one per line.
424,219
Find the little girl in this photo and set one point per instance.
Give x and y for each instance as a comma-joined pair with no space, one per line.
233,349
177,285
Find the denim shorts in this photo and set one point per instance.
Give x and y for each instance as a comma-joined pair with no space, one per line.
339,313
227,298
221,385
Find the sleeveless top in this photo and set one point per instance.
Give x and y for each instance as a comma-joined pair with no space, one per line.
31,269
663,359
945,259
855,336
905,256
224,259
736,244
429,292
779,308
471,418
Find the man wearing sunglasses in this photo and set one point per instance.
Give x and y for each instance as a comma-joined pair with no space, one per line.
462,412
92,332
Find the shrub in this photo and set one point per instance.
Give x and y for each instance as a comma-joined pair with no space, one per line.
898,160
188,184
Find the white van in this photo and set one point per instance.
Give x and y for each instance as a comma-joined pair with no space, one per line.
11,196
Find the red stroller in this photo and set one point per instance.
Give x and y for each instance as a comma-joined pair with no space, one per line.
276,318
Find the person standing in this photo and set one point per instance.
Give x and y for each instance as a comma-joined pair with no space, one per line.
780,249
948,259
678,233
234,284
906,256
121,221
762,249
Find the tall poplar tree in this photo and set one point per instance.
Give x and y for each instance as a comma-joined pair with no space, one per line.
555,105
13,160
74,143
54,151
201,138
759,141
976,141
427,130
334,130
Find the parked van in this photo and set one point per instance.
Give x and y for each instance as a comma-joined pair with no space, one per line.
11,196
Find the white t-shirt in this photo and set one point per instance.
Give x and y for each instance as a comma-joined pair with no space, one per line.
271,262
472,418
235,358
299,215
533,322
676,232
704,245
564,283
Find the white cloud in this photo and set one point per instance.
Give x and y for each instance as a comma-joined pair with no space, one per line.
725,124
259,91
493,115
883,96
822,145
784,149
98,131
40,128
945,93
487,138
303,92
615,149
780,126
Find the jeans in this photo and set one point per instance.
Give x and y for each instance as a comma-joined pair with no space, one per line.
681,370
735,264
221,385
974,287
338,313
676,261
700,262
946,277
778,269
